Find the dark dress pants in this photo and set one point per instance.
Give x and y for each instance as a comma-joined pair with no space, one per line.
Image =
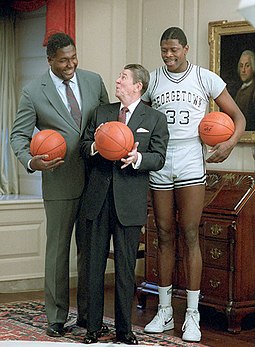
126,242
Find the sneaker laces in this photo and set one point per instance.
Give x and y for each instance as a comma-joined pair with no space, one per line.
161,315
191,315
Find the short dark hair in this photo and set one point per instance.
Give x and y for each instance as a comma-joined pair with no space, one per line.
140,74
56,41
174,33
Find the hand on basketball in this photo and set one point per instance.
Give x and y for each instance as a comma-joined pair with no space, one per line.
132,156
94,144
220,152
98,128
40,163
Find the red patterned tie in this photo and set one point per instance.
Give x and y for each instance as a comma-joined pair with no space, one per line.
75,110
122,115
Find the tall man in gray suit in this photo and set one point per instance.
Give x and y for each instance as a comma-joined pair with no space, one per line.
116,199
44,105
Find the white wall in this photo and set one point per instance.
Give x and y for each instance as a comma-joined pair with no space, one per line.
22,247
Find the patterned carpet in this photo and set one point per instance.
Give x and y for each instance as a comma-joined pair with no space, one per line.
27,321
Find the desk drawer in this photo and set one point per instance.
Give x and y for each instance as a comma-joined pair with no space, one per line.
215,283
215,253
220,229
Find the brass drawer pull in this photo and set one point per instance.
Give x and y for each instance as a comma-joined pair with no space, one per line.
216,253
155,272
155,243
214,283
216,229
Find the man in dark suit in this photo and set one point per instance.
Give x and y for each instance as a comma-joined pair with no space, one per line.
44,105
116,199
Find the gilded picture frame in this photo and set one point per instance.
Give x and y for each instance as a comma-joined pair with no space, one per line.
227,41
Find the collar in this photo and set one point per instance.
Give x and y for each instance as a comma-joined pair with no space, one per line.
59,81
132,106
246,85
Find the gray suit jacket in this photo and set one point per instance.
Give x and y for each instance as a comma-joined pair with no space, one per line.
130,186
41,106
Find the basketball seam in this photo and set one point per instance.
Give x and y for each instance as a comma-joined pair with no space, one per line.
45,138
112,138
226,126
123,149
56,147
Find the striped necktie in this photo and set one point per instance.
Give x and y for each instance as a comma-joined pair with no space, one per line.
75,110
122,115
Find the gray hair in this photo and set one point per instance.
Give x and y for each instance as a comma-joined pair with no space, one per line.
251,54
140,74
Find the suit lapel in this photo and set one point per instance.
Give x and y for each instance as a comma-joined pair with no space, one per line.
85,97
114,112
50,92
137,117
135,120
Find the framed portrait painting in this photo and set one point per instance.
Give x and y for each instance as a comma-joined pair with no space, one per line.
232,56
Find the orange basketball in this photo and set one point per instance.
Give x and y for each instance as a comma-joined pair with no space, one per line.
114,140
216,127
49,142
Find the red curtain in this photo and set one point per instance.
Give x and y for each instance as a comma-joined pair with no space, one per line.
60,15
27,5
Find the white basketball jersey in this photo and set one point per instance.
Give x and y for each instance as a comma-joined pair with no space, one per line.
183,97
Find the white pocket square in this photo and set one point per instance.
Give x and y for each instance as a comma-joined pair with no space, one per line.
142,130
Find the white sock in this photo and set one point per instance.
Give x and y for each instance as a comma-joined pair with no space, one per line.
192,299
165,296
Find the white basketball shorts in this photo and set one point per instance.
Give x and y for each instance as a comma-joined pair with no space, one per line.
184,166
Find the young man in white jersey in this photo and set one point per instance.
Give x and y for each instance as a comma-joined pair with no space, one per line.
181,91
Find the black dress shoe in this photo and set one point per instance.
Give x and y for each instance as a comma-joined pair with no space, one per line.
92,337
55,330
127,338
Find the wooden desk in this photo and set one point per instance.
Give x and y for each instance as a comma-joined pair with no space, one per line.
227,238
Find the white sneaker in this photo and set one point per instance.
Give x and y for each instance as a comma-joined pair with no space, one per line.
190,328
162,321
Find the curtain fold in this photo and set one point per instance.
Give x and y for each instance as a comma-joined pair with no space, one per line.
27,5
60,17
8,161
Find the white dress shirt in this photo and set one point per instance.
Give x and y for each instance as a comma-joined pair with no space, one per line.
131,109
61,89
